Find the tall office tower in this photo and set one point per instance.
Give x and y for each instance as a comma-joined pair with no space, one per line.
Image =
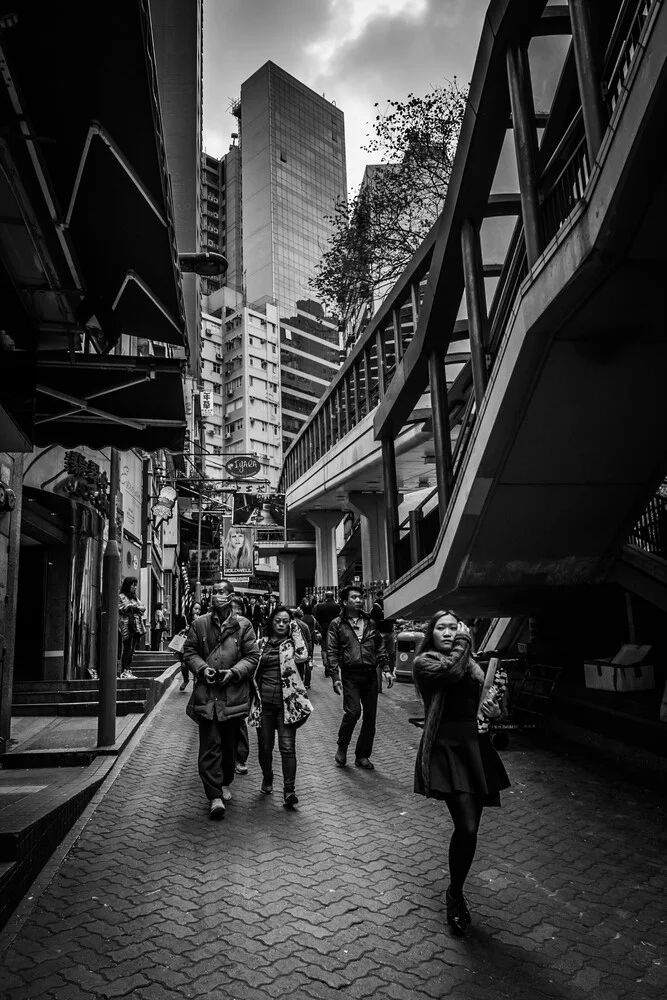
177,36
293,175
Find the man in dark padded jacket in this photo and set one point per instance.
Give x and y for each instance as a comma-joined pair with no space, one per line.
221,651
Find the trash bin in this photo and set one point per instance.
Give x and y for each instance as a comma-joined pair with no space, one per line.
407,644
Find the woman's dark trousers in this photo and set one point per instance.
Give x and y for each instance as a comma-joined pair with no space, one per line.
273,722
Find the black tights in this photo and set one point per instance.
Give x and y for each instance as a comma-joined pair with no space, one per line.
466,812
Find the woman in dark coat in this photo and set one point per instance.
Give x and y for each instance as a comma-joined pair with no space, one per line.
456,760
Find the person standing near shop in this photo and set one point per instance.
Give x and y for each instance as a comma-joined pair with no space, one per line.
221,651
356,650
456,760
158,627
324,613
130,623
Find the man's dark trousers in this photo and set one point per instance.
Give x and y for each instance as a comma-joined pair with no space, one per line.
217,754
360,693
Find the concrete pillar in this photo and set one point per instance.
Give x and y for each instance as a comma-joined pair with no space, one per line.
373,530
287,578
11,473
525,144
588,75
325,523
391,501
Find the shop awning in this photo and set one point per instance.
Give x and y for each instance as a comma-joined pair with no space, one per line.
84,150
89,400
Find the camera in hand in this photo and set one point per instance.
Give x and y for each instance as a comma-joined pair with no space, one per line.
220,676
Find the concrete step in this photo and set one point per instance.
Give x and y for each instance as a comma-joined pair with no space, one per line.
123,707
33,826
132,690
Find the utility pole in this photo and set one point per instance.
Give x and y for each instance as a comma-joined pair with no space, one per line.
106,720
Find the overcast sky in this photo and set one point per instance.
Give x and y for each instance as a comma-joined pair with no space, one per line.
355,52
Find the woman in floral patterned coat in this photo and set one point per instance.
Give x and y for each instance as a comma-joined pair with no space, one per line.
280,704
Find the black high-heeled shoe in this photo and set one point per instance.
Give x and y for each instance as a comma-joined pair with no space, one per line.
458,914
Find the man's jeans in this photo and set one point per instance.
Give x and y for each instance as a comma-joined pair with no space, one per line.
273,721
360,693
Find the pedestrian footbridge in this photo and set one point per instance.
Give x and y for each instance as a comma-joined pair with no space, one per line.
515,373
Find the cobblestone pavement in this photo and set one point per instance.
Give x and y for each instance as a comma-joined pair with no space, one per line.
345,895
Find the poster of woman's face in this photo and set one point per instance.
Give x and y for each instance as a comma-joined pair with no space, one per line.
237,552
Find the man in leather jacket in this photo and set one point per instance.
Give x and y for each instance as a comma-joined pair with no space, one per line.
221,651
356,650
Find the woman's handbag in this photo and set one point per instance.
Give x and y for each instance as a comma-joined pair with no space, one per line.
177,642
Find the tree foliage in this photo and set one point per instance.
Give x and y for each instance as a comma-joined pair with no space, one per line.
378,230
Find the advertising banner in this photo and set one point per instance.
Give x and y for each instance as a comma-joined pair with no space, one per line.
210,566
266,513
237,551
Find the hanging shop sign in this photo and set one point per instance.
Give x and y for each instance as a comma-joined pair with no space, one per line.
243,466
163,508
131,490
209,565
265,512
206,403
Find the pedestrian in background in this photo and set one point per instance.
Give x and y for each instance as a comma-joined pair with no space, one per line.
456,760
239,605
185,673
356,650
221,650
158,627
280,704
130,622
324,613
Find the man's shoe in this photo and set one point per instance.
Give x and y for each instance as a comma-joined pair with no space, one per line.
241,768
267,787
183,686
217,810
127,675
340,758
458,914
290,800
226,793
365,763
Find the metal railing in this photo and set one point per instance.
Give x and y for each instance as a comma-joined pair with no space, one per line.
650,532
369,371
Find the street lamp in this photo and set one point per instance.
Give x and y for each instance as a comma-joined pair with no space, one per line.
204,263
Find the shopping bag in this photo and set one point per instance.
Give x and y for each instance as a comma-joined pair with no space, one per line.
177,642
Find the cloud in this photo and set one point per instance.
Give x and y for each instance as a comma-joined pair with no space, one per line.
357,52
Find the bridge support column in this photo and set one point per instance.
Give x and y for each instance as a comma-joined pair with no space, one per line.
287,578
373,534
473,274
525,144
588,75
442,439
391,504
325,523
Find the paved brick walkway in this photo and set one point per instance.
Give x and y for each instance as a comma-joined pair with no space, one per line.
345,896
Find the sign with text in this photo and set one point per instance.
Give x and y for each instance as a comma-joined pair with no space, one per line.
242,467
237,552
